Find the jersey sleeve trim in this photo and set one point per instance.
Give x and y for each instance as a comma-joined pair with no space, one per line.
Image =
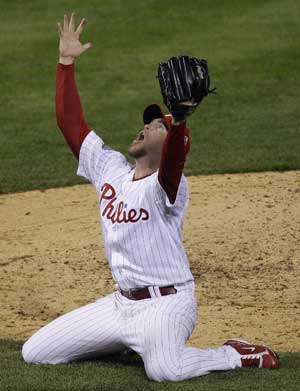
98,161
182,195
87,158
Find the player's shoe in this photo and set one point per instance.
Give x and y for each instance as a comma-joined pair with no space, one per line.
254,355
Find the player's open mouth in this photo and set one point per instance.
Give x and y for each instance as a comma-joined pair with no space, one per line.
140,137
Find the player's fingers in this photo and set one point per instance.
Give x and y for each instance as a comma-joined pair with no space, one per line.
81,26
59,28
66,23
72,22
190,110
87,46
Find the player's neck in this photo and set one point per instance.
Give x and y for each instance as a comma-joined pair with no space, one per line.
144,167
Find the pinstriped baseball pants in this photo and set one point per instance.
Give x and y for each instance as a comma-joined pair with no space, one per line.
157,329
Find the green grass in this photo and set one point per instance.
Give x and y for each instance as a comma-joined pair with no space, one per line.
115,373
253,51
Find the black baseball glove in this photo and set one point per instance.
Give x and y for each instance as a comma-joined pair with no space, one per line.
183,79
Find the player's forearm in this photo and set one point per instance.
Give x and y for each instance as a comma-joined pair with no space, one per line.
69,112
172,160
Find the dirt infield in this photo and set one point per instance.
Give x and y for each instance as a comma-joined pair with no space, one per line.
241,233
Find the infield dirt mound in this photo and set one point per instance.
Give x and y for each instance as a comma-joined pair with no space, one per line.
241,233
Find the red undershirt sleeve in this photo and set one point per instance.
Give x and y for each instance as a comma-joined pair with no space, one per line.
172,161
69,114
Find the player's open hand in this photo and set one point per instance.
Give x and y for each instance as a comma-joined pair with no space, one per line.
69,45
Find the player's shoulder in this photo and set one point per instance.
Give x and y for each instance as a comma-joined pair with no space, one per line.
182,196
183,180
96,144
183,189
92,139
98,161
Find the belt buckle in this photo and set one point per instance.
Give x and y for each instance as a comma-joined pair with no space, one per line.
130,294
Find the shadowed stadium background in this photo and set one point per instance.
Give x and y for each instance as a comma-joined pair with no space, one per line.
252,47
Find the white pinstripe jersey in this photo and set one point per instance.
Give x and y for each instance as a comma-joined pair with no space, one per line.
141,229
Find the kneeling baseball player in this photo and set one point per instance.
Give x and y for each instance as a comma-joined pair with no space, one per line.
153,311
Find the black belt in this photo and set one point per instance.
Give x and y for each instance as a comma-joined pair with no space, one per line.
144,293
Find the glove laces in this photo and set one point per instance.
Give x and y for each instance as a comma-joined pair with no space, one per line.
213,91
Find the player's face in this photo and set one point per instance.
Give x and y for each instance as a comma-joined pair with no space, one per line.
150,140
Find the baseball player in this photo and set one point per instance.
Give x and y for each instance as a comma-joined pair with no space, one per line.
153,310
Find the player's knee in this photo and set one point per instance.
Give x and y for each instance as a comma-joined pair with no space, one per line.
32,355
27,353
160,372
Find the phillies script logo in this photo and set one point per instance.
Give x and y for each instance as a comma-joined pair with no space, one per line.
115,211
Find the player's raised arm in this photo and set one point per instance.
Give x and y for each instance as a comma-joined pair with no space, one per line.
69,112
173,157
184,82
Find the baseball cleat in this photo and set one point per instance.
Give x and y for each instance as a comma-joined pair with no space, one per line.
254,355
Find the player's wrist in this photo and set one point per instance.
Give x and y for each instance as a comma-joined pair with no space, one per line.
66,60
178,121
179,114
